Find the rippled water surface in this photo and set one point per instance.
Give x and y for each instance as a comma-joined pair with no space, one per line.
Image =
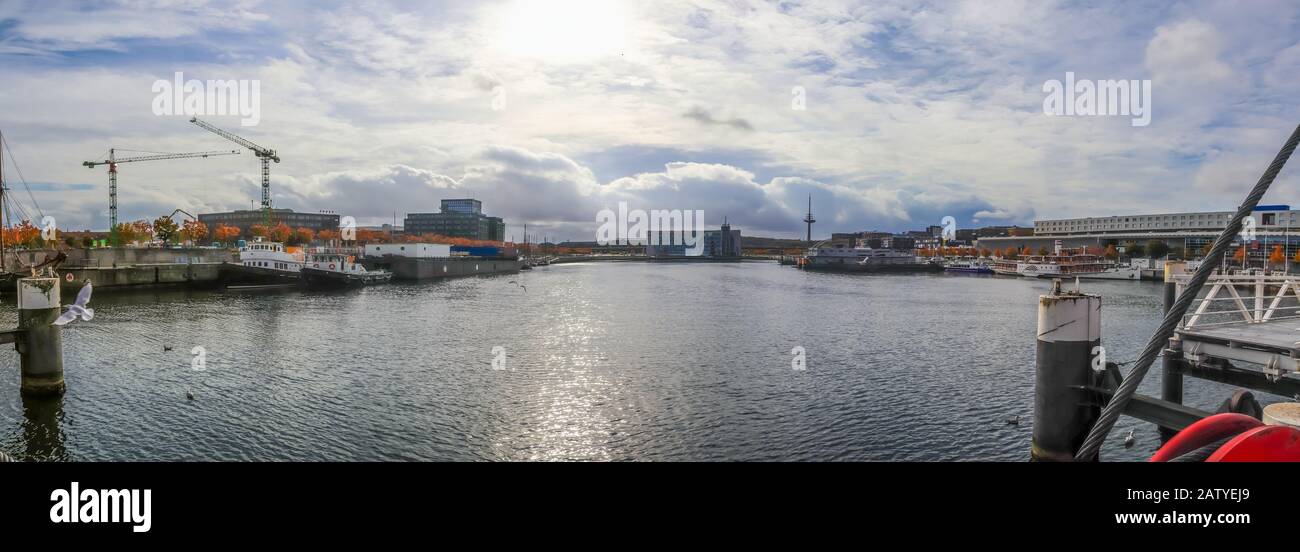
603,361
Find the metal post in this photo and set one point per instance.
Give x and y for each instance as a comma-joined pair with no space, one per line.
1069,327
41,348
1171,380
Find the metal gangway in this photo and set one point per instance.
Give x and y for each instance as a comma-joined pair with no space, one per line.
1242,318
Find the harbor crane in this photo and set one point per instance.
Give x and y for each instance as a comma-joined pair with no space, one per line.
113,161
266,155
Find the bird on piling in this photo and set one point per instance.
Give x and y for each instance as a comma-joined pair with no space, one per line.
1128,439
1014,420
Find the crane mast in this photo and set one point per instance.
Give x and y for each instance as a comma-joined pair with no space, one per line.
113,161
264,154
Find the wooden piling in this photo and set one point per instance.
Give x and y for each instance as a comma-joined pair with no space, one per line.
1069,327
41,346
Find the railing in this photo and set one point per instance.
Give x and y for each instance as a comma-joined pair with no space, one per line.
1266,298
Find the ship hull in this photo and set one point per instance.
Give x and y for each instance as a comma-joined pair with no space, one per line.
415,269
318,278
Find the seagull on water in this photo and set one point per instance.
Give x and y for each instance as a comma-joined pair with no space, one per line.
1128,439
167,347
1014,420
78,308
520,285
189,394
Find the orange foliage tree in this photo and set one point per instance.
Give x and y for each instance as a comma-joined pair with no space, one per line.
1277,257
281,233
225,233
259,230
194,230
304,235
328,235
24,234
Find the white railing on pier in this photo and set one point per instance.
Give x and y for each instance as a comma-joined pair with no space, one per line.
1243,299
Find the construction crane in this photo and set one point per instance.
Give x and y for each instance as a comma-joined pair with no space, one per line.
266,155
113,161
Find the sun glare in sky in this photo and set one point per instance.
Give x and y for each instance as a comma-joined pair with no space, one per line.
562,31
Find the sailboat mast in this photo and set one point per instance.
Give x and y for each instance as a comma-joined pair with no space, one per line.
2,202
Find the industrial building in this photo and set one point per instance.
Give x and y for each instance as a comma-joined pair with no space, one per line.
248,217
457,218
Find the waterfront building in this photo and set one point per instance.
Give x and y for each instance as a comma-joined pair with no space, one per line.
722,243
248,217
457,218
1190,232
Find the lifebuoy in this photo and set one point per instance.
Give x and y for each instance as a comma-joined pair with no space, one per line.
315,265
68,277
331,266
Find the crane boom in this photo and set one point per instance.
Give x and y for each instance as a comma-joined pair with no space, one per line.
264,154
112,163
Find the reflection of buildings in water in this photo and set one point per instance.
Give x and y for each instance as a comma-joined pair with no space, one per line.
43,428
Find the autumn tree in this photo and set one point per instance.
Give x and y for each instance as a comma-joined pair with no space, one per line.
304,235
281,233
1240,255
164,228
226,234
328,235
194,230
1043,251
259,231
1157,248
1277,257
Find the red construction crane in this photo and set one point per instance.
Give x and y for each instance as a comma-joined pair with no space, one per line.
113,161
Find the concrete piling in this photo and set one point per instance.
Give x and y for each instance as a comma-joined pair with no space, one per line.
1069,327
1171,380
41,344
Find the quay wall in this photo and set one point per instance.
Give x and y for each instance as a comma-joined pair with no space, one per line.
120,256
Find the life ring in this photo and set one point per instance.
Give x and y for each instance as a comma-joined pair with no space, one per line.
331,266
68,277
315,265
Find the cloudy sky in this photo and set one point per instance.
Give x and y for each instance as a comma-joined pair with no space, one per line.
549,111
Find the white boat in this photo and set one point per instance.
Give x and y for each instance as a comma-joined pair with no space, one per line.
270,256
1006,267
1075,265
327,267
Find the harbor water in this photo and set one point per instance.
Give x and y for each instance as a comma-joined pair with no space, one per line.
585,361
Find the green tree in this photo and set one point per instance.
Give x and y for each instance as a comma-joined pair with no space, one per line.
1157,248
164,228
1135,250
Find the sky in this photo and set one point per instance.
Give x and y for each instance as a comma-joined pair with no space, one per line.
892,115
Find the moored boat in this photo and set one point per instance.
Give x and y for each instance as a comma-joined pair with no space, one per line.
968,267
335,268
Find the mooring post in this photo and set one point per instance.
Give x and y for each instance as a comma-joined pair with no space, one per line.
1069,327
1171,380
41,347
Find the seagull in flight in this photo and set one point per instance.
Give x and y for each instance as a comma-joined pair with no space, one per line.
78,308
520,285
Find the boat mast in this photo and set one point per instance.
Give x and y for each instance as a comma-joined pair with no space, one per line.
2,202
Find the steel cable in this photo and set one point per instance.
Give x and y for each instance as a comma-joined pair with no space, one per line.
1110,414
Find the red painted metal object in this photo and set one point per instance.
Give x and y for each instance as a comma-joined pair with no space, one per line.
1261,444
1204,432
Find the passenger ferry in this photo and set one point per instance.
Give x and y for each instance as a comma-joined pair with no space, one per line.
967,266
270,256
1076,265
1006,267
